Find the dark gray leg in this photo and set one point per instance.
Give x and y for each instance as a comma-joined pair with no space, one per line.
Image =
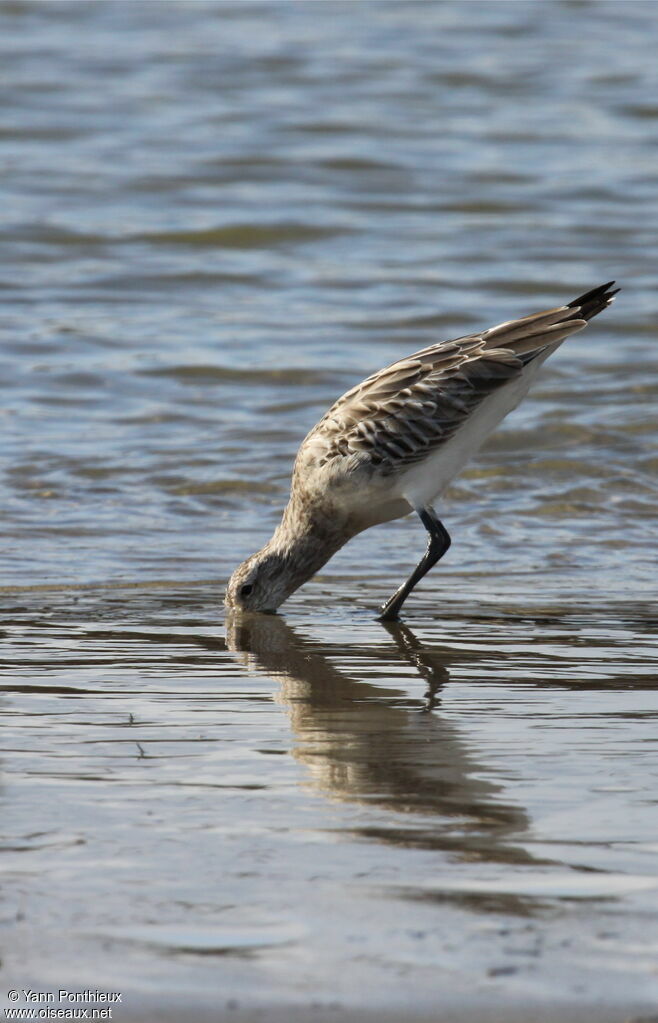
439,542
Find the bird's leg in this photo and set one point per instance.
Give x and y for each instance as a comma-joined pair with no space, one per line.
439,541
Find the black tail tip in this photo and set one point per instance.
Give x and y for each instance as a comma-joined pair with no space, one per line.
595,301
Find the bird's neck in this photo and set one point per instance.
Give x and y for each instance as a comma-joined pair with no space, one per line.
306,538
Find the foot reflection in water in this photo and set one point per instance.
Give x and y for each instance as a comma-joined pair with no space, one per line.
364,741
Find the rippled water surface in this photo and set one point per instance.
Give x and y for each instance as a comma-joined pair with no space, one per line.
217,217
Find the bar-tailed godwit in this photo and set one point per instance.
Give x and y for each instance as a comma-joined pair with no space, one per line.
392,444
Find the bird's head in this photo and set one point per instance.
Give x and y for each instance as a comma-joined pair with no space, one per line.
261,583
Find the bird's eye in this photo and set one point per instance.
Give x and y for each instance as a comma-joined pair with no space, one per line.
246,589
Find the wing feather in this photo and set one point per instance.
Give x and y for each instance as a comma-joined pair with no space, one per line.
398,415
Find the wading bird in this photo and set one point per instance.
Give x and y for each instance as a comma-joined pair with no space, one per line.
392,444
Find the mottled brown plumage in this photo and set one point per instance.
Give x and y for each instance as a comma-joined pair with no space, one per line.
392,443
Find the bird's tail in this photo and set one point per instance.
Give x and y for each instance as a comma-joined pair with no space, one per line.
594,302
528,337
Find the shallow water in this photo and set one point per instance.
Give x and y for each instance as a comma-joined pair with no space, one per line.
329,812
216,218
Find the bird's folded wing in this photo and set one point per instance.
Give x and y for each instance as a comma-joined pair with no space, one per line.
397,416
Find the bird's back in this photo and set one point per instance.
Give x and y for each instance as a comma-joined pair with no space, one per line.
413,424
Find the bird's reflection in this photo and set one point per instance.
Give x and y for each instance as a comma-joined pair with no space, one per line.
364,740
